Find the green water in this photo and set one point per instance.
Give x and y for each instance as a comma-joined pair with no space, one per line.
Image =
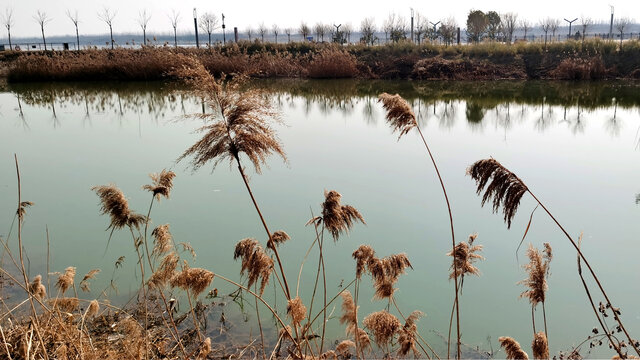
575,145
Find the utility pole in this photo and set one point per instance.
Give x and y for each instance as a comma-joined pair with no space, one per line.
570,22
224,38
195,24
411,24
611,24
338,35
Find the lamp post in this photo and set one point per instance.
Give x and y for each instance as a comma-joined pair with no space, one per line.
611,24
570,22
195,24
411,24
224,37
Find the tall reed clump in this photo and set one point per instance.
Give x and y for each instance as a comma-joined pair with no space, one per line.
337,219
505,190
402,119
536,282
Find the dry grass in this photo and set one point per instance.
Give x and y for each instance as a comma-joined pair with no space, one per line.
512,349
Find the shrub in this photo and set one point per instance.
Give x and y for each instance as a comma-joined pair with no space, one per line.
332,63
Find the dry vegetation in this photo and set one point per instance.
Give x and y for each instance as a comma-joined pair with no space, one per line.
593,59
61,325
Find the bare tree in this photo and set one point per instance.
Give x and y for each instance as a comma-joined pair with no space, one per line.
328,30
7,20
42,18
249,32
288,32
526,26
621,24
421,26
586,23
74,19
209,23
347,29
143,21
174,17
304,30
275,29
107,16
262,30
319,29
449,30
554,24
509,23
368,29
545,25
388,25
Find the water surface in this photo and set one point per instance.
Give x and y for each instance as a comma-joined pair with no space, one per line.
575,145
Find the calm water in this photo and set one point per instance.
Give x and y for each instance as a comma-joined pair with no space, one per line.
575,145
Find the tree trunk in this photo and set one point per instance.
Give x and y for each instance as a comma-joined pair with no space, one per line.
175,37
43,39
209,39
111,34
9,33
144,37
77,38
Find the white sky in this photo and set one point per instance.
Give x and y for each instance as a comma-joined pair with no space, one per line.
286,13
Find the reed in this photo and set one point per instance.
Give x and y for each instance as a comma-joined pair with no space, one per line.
506,190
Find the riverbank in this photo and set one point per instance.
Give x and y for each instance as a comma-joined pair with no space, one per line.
571,60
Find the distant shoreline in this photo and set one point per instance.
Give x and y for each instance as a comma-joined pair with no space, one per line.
569,60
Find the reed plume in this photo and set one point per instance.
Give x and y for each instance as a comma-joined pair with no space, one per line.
194,279
465,256
162,240
165,271
115,204
93,309
540,346
407,334
337,218
385,273
505,188
363,339
84,283
344,348
330,354
22,210
363,255
65,304
240,122
255,262
296,310
349,312
161,184
277,238
65,280
37,288
399,113
383,325
537,269
512,349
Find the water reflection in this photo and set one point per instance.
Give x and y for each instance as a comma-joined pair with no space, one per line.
509,102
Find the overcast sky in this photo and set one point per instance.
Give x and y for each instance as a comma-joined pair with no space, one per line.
286,13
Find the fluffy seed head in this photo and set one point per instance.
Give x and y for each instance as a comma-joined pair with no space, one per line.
115,204
464,256
205,349
84,284
65,304
277,238
540,346
344,348
338,218
383,325
407,335
93,308
162,239
296,310
165,271
536,282
505,188
385,273
161,185
65,280
255,262
363,255
512,349
399,113
37,288
349,312
194,279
